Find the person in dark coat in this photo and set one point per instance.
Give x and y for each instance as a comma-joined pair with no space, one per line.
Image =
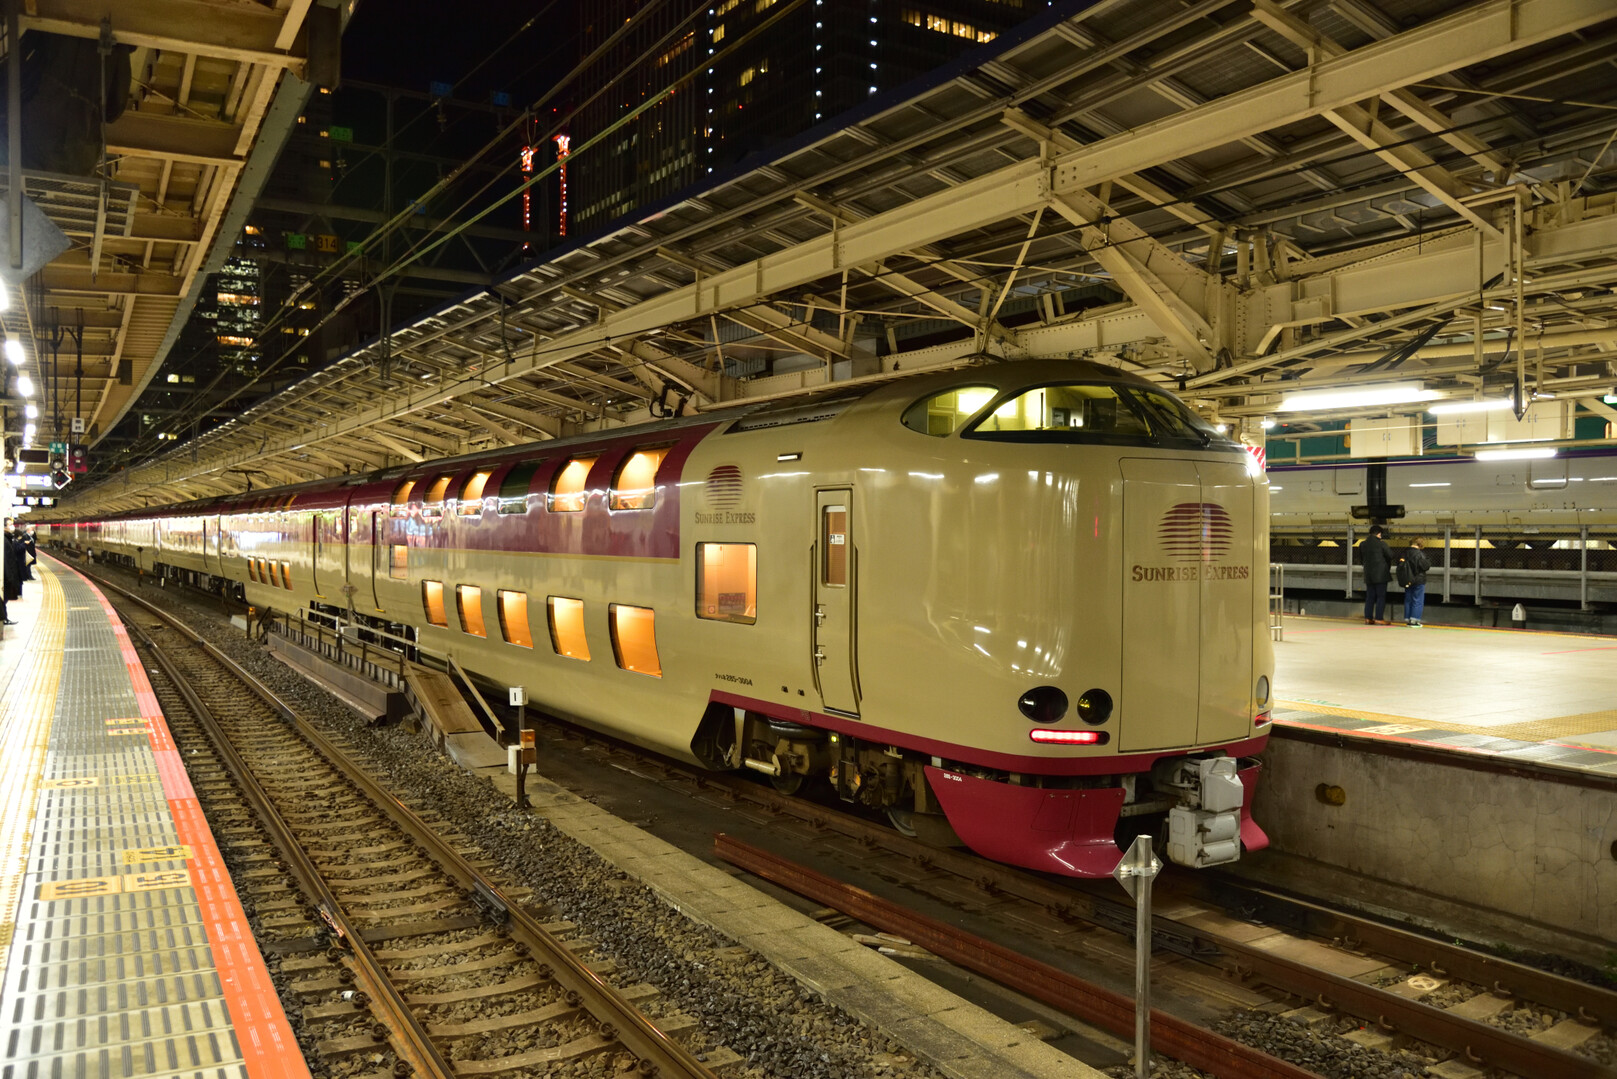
30,548
14,563
1416,564
1377,558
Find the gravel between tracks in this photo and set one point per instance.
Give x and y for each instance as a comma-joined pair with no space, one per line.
741,1002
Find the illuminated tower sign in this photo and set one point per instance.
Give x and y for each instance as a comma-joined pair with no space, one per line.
563,146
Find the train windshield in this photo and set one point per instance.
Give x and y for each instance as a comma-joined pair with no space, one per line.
1104,413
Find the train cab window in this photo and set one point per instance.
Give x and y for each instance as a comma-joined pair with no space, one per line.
945,413
1063,414
635,485
834,545
727,582
634,639
469,605
432,602
401,499
569,491
513,610
567,628
398,564
514,487
471,493
432,503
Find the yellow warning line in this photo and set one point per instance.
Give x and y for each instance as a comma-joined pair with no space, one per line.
25,734
1531,730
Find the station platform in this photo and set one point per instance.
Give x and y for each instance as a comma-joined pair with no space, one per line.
1543,697
126,950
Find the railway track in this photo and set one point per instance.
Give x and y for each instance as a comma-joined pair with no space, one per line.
1381,987
403,956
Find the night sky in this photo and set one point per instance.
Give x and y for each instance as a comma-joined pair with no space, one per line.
411,43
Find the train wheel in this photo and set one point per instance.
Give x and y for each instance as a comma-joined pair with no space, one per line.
902,819
788,782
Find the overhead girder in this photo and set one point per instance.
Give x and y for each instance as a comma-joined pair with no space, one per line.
247,33
1060,179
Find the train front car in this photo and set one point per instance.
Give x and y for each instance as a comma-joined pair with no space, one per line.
1061,580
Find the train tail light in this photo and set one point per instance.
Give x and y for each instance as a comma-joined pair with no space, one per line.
1261,719
1068,738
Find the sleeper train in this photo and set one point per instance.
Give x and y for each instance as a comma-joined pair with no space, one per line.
1018,606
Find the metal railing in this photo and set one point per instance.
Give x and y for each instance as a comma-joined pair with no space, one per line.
375,653
1277,601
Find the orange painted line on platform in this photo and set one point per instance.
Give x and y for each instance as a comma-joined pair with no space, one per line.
269,1048
1569,651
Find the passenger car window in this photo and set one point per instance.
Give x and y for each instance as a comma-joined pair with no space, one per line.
568,493
432,503
635,486
432,602
471,493
727,582
513,609
944,413
399,564
514,487
469,606
567,628
401,499
634,639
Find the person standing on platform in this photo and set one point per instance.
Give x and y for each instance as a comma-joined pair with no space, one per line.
1417,564
30,556
13,566
1377,569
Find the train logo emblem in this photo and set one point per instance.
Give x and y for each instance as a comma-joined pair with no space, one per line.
723,488
1196,532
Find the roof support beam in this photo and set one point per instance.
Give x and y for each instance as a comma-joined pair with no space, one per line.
174,138
248,33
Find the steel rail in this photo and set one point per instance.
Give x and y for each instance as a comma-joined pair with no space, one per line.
1197,1046
620,1020
409,1038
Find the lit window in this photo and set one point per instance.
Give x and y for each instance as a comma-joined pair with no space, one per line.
834,545
401,499
635,487
469,605
568,492
286,575
567,628
398,566
252,569
432,601
727,582
943,413
471,495
513,609
432,503
634,639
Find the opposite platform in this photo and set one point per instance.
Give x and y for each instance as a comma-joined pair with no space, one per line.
127,952
1523,695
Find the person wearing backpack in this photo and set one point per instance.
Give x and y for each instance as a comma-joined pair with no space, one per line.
1412,569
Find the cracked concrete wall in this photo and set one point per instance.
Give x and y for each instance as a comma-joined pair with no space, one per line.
1533,848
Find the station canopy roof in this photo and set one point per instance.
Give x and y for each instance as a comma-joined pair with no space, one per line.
1241,200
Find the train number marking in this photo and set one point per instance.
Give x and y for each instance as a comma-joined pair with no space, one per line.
151,882
71,784
157,854
84,888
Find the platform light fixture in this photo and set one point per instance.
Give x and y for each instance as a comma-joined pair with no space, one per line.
1516,453
13,349
25,385
1492,404
1395,393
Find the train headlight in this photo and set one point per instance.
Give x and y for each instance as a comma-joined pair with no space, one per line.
1043,704
1095,706
1261,692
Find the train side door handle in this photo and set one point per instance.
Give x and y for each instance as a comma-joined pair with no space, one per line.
819,615
819,656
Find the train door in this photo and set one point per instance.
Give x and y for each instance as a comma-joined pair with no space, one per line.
1163,522
328,554
835,641
316,528
1228,513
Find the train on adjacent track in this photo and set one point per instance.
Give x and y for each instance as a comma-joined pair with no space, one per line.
1020,606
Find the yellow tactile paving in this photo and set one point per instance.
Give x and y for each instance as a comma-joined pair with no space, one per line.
25,732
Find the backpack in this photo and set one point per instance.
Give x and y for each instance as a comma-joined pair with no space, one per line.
1406,576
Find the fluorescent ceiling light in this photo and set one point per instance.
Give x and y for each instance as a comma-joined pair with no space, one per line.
1397,393
14,350
1447,407
1523,453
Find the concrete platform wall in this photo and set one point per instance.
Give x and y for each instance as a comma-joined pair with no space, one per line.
1524,845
